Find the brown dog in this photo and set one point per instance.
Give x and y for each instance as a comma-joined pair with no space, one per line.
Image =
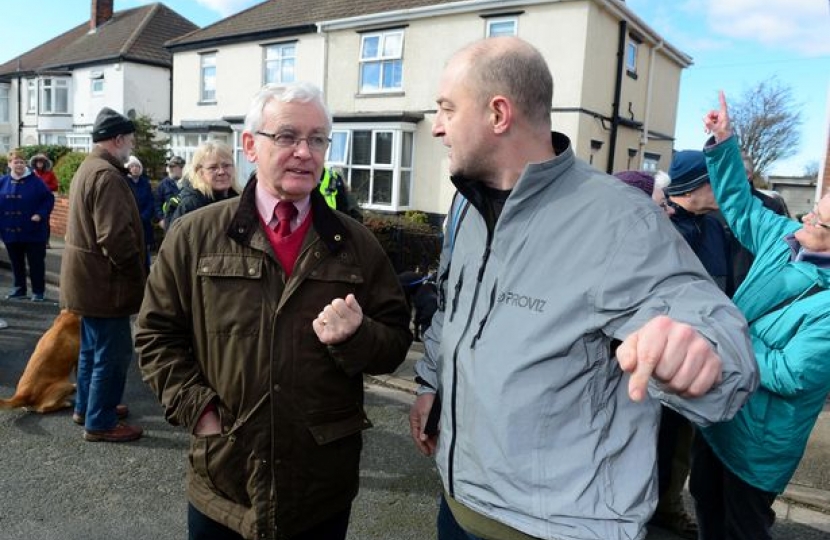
44,386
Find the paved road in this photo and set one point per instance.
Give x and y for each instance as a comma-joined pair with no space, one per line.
54,485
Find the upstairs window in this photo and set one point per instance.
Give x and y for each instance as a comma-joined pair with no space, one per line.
96,85
207,78
4,103
31,96
54,96
279,63
381,62
503,26
632,50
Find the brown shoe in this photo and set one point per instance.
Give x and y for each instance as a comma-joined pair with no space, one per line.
120,433
121,411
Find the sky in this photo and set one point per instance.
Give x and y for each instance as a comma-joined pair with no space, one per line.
734,44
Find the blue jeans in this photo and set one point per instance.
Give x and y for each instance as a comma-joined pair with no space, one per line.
448,527
106,352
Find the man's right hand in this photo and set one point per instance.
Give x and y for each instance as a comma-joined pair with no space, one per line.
418,414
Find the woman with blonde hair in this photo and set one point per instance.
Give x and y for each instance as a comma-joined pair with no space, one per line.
210,177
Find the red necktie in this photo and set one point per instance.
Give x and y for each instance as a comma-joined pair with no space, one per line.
285,212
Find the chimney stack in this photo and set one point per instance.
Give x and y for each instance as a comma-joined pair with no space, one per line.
101,13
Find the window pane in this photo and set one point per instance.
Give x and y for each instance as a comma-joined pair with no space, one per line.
337,150
406,149
383,147
382,187
631,57
370,47
288,70
501,28
62,100
370,76
392,45
403,193
392,74
360,185
362,148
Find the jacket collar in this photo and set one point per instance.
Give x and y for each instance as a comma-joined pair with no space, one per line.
102,153
473,191
325,222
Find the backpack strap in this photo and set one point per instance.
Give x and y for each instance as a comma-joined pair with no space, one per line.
458,209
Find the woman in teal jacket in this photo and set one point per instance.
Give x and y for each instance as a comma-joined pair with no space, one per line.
741,465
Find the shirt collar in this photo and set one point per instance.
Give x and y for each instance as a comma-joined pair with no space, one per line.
266,203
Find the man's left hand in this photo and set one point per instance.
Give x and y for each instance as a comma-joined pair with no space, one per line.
673,353
338,320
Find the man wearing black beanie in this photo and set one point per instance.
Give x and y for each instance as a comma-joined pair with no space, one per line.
102,277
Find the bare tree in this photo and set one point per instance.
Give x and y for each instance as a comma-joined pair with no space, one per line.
767,119
811,169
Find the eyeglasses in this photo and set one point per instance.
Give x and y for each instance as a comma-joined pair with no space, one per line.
213,169
316,143
814,219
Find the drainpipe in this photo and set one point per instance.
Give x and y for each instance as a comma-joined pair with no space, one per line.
615,113
649,83
19,112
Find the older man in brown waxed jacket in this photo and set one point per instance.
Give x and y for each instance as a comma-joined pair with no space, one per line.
102,277
260,316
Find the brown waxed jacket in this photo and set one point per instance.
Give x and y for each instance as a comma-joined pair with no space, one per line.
102,268
220,324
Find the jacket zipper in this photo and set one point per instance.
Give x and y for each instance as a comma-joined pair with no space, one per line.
453,402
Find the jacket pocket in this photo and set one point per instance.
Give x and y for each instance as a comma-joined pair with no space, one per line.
222,465
333,430
231,292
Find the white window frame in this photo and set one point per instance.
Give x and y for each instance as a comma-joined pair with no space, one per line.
5,144
207,77
50,89
5,105
388,56
497,21
96,83
31,96
283,58
395,166
632,51
651,161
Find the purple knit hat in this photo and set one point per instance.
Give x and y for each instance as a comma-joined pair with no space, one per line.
638,179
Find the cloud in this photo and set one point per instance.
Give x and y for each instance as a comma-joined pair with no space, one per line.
800,26
227,8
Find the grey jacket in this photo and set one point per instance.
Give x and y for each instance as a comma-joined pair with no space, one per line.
537,428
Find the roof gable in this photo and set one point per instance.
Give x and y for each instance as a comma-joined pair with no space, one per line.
136,34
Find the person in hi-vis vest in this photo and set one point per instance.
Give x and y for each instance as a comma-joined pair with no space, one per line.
337,195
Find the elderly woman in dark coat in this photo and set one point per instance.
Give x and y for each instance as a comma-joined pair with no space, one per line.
25,206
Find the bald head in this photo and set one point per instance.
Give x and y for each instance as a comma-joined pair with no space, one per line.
513,68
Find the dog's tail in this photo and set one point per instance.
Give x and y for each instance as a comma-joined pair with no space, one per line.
15,402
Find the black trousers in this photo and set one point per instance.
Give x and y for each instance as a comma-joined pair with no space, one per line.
727,508
201,527
35,254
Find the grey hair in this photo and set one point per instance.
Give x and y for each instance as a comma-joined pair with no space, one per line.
302,92
211,147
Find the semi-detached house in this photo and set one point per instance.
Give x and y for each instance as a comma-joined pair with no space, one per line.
378,61
52,93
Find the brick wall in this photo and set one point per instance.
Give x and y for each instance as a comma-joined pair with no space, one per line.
59,214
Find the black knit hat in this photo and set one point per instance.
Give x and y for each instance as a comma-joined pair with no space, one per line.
688,172
109,124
